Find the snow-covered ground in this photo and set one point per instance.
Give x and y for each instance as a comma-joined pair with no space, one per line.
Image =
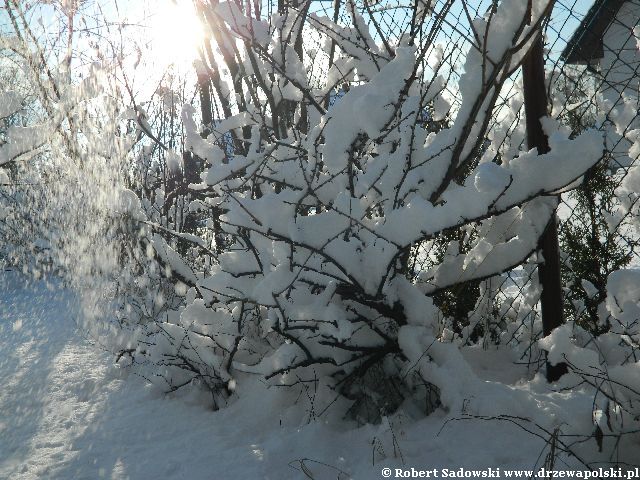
66,412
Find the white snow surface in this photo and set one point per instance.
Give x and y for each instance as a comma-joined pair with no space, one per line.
68,412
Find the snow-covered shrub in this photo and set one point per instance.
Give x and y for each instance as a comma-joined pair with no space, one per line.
324,195
608,362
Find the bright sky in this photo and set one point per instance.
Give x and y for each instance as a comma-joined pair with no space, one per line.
152,37
176,32
170,29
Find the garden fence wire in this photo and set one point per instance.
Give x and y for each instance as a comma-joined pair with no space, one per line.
591,64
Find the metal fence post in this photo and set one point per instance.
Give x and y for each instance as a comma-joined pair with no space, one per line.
535,104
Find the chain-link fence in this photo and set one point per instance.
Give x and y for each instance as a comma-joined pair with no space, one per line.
590,56
591,59
591,62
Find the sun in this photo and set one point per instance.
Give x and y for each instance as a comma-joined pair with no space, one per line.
176,33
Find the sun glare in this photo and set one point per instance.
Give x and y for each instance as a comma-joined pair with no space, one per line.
177,33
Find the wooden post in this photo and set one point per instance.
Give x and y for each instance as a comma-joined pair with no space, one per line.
535,105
